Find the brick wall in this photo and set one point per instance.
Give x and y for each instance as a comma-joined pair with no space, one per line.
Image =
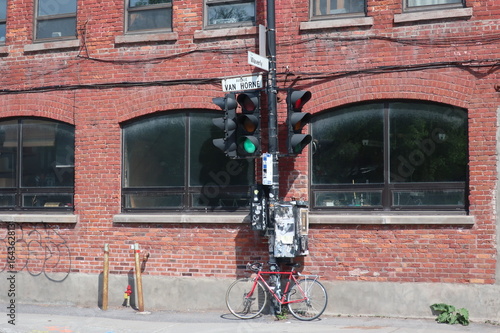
421,253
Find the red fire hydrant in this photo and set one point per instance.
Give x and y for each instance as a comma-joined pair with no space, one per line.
127,294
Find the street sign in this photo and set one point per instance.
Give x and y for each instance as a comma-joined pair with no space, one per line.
258,61
262,40
240,83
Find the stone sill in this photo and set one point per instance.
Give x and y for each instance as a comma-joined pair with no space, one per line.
66,44
433,15
313,219
221,33
144,38
338,23
182,218
392,219
39,218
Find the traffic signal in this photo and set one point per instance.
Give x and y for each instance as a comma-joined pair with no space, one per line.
296,120
227,123
248,125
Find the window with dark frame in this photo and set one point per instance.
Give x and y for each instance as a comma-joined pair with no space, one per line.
36,164
325,9
149,15
390,156
3,20
170,163
419,5
55,19
229,13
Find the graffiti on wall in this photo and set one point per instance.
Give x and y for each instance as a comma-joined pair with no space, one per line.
39,249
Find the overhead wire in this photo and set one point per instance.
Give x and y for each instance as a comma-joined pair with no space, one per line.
299,75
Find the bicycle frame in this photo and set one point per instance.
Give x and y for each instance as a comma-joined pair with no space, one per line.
304,295
290,278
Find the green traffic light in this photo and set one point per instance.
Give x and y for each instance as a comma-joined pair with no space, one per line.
249,146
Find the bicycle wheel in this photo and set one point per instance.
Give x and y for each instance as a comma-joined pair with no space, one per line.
309,299
242,302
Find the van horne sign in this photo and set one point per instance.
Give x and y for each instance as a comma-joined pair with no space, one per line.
240,83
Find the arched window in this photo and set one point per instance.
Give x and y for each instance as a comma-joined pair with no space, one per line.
36,164
170,163
390,156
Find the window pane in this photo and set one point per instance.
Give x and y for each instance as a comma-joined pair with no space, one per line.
43,144
150,19
234,13
2,32
154,152
54,7
428,143
3,9
62,27
221,200
153,200
332,7
429,198
348,199
348,146
415,3
48,200
3,16
140,3
7,200
8,153
208,164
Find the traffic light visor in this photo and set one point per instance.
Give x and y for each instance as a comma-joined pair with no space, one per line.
299,120
248,123
248,101
248,144
298,98
299,141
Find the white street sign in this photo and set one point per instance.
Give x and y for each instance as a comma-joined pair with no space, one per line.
262,40
258,61
248,82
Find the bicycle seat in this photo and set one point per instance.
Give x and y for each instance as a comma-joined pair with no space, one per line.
296,264
255,267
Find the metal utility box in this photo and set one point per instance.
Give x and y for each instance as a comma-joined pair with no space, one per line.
291,229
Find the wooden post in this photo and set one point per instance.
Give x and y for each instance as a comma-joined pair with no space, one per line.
105,279
138,278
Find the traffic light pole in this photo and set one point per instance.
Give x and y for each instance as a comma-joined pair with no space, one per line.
272,108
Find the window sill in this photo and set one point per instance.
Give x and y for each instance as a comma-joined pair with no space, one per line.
215,218
392,219
39,218
145,38
4,50
433,15
339,23
221,33
237,218
66,44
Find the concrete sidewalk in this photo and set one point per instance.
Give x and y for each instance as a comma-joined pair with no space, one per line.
53,319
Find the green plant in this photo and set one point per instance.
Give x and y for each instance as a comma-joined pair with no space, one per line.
281,315
451,315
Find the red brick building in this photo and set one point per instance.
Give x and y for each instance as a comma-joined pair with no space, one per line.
106,138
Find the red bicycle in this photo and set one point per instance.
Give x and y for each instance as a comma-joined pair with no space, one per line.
304,294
